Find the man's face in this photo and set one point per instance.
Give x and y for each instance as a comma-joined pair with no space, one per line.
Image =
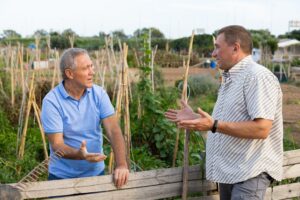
84,71
223,53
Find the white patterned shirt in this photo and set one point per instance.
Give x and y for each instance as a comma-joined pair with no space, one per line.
249,91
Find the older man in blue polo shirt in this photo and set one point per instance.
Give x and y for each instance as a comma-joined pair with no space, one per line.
72,114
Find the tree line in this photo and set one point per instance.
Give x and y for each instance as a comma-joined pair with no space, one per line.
203,43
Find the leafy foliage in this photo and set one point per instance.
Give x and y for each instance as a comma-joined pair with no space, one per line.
263,38
202,84
150,127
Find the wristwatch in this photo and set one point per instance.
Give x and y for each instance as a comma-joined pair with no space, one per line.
215,126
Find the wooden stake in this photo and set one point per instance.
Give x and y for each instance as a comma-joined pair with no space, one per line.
187,132
24,132
55,70
38,117
12,79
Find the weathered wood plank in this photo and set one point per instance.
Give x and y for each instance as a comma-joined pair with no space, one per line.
291,157
104,183
153,192
291,171
283,191
210,197
152,183
9,192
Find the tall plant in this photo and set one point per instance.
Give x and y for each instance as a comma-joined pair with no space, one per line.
151,129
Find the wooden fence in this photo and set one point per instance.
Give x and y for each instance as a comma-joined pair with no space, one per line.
154,184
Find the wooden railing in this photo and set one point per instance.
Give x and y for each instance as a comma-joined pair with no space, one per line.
154,184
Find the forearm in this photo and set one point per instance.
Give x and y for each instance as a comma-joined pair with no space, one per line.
256,129
67,151
118,145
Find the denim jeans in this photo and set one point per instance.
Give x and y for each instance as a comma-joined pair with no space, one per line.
251,189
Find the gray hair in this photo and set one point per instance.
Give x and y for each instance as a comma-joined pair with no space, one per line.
67,60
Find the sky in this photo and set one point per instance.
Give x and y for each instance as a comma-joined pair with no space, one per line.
175,18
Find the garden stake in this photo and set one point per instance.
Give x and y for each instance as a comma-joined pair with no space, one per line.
187,132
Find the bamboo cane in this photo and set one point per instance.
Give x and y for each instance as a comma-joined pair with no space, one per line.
127,132
153,53
12,79
71,40
22,69
55,69
38,117
177,137
187,133
29,104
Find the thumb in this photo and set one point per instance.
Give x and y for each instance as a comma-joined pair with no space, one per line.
202,113
83,144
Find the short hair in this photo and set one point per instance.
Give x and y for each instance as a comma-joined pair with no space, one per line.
67,60
235,33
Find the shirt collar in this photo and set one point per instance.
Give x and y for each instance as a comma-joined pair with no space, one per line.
236,70
65,94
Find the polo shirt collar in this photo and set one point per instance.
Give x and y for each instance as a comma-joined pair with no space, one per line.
65,94
237,69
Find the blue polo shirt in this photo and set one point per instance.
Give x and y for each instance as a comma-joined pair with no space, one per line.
78,120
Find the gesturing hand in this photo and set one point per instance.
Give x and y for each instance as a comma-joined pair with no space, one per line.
186,113
203,123
91,157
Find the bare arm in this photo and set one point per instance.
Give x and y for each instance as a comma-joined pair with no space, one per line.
202,121
256,129
114,134
57,143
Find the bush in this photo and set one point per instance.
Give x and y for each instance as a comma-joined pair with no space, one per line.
202,85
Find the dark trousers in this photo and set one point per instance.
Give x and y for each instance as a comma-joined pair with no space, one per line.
251,189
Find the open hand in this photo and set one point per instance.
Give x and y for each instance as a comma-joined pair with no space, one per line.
186,113
203,123
91,157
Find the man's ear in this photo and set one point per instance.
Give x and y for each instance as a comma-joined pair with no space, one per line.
236,47
69,73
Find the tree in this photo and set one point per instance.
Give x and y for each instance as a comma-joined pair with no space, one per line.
295,34
10,34
41,32
119,34
264,39
155,33
102,35
68,33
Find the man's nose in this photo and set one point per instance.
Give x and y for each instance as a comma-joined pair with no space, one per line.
214,54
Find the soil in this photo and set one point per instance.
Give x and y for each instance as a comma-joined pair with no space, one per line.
291,110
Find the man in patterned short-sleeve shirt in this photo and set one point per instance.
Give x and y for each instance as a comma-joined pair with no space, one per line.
244,148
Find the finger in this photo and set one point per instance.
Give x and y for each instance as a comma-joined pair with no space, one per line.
95,157
170,114
121,179
116,177
202,113
83,144
125,173
126,177
172,111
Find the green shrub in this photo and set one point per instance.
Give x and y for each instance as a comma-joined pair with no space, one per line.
202,85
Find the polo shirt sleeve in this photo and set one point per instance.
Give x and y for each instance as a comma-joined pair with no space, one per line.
105,106
51,118
262,96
